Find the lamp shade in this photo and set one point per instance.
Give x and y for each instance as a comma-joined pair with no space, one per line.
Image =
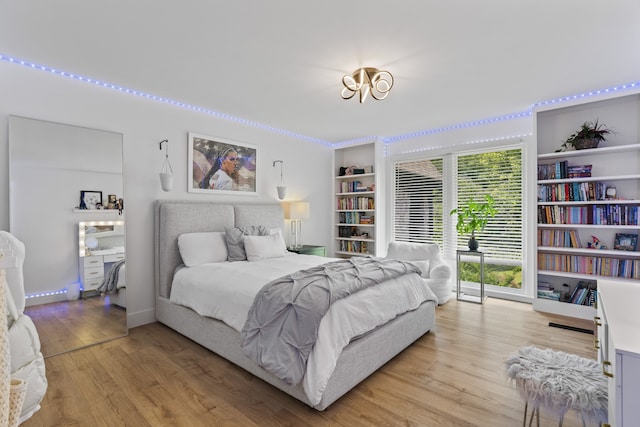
296,210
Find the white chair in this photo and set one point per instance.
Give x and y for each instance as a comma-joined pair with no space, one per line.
27,362
427,256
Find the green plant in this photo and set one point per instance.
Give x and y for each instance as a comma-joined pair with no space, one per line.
474,215
588,131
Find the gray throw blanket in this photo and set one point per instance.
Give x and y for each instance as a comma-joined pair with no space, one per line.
282,324
110,281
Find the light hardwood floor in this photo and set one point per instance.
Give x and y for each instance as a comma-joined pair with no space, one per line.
452,376
68,325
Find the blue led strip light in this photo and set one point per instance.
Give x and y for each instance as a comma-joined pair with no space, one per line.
458,126
162,100
388,140
46,294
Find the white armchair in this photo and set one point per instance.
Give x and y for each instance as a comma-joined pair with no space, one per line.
435,271
27,362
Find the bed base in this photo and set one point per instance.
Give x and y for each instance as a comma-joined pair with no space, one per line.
357,361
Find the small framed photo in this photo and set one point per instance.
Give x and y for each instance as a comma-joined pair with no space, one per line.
222,166
90,199
626,242
112,199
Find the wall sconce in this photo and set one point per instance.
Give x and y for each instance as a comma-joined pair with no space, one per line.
282,187
296,212
365,81
166,173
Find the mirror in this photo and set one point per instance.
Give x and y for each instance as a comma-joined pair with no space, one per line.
54,170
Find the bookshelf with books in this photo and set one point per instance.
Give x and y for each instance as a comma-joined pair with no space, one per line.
356,200
587,201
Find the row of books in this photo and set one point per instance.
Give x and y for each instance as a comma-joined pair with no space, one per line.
559,238
572,192
353,246
594,215
354,218
353,203
562,170
594,265
352,186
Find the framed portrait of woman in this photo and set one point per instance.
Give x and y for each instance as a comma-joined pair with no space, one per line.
218,165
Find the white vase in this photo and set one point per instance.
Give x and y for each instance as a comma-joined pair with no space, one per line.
166,180
282,191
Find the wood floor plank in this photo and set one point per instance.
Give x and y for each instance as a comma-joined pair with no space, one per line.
452,376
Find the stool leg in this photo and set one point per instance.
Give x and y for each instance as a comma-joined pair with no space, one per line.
536,412
526,407
561,420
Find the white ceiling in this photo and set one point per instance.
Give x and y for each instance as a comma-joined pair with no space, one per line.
280,62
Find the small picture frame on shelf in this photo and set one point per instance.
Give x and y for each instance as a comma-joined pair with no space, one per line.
626,242
90,199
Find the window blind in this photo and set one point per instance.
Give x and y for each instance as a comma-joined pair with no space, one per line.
418,207
498,173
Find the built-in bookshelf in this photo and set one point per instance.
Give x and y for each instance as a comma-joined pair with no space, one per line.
355,200
586,200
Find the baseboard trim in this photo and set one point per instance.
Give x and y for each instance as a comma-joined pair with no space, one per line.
140,318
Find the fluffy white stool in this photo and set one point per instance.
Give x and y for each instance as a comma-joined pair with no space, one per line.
558,382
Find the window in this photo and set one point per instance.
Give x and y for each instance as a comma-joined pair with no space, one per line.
418,203
420,208
498,173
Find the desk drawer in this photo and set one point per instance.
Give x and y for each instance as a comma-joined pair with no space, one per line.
94,273
93,261
91,284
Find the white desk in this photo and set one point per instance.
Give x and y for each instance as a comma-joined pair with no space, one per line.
618,341
94,267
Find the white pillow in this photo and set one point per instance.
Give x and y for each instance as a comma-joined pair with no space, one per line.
202,248
264,247
278,231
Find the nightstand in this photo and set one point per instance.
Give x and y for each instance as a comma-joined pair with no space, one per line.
309,250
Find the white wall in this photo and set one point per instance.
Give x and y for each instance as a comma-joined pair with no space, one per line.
144,123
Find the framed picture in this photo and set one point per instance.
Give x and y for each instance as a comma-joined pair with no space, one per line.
112,199
90,199
626,242
218,165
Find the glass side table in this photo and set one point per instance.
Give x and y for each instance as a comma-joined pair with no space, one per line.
467,254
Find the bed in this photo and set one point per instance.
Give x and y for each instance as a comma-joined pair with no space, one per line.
363,354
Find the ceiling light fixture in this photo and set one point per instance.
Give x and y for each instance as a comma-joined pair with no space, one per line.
367,81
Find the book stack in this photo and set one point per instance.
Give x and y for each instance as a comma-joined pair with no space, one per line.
546,291
585,293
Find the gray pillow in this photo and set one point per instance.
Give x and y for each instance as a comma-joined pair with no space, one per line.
235,240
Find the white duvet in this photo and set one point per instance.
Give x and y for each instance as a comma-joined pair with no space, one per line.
226,290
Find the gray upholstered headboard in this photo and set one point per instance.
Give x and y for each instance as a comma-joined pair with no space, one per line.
172,218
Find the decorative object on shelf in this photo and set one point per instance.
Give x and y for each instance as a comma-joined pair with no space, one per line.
216,165
166,173
367,81
90,199
588,136
296,212
611,193
626,242
595,243
112,200
120,205
281,187
474,217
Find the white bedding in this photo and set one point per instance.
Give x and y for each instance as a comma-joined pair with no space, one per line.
226,290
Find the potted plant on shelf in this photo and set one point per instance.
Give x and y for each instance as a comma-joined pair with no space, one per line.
589,135
474,217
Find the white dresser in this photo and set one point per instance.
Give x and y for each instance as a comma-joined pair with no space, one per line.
618,340
94,267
